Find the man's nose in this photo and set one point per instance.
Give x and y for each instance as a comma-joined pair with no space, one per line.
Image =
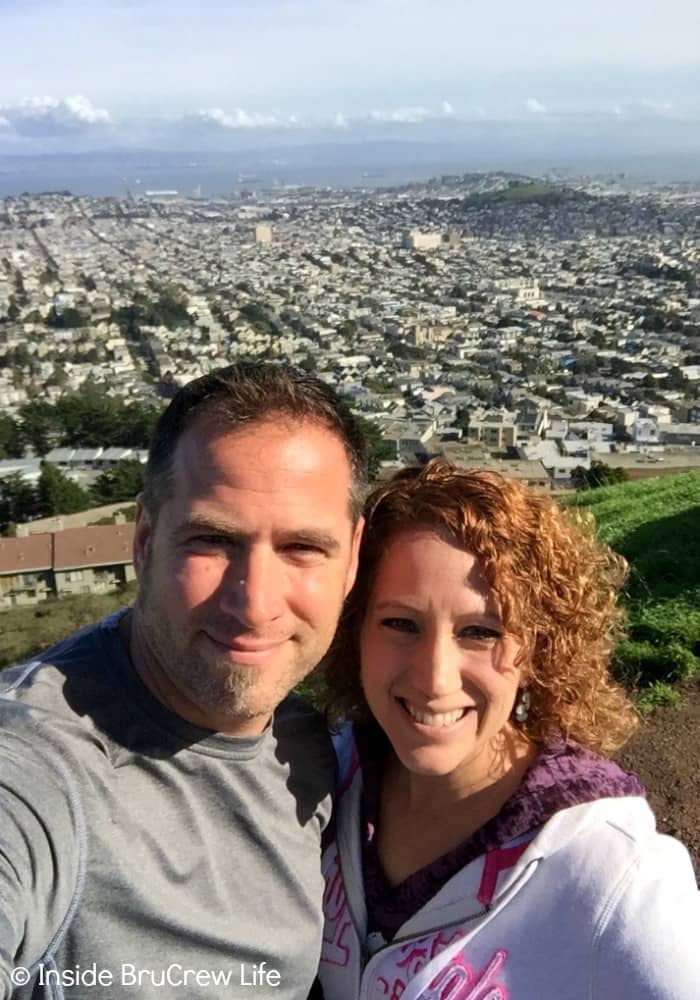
254,587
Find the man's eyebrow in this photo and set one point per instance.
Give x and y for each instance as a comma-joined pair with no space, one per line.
212,525
310,536
302,536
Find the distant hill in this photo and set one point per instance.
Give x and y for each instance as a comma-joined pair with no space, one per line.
655,524
522,192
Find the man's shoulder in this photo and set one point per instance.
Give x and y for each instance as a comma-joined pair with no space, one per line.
298,717
296,706
300,731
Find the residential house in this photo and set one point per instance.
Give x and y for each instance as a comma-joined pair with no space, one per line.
88,560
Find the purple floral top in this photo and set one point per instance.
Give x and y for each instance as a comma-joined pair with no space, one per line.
562,775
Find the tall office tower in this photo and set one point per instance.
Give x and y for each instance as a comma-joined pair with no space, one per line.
263,233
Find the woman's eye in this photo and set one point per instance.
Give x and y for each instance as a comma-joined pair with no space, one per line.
400,625
480,632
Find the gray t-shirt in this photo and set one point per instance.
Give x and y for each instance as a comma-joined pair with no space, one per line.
143,857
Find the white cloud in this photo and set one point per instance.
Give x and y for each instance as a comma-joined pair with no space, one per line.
83,110
402,116
238,118
648,108
535,106
50,116
447,109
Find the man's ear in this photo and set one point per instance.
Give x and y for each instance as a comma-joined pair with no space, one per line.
143,531
354,555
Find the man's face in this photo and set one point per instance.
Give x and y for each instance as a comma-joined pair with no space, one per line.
243,574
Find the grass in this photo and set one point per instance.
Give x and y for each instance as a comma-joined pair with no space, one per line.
26,631
655,524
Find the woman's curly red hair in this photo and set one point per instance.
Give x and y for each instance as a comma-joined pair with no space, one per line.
557,589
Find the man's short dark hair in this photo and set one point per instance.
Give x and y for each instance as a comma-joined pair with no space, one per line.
248,393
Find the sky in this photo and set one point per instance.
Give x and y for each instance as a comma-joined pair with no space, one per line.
82,74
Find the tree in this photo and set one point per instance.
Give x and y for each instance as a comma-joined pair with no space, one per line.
599,474
462,418
308,364
58,377
18,502
87,418
400,349
123,482
167,310
379,449
67,319
57,494
586,364
137,422
92,418
675,379
41,426
11,442
347,329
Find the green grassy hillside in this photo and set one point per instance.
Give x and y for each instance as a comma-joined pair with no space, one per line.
655,524
26,631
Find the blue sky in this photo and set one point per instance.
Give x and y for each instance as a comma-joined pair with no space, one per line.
86,71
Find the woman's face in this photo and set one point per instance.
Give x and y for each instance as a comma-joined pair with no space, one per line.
438,672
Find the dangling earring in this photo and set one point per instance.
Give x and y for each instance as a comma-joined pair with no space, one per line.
522,708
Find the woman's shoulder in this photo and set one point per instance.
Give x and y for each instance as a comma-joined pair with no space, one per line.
645,941
617,858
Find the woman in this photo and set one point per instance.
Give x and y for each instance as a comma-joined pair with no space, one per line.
486,847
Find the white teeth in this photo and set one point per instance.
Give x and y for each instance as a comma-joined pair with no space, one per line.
435,718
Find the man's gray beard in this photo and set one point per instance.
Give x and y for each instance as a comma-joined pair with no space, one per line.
227,691
216,687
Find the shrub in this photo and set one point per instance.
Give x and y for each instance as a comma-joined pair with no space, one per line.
642,664
658,695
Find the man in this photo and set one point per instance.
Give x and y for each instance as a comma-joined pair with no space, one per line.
161,798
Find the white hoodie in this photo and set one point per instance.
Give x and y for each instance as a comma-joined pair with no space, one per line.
595,905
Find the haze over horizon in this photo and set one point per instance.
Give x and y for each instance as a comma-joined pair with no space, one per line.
79,77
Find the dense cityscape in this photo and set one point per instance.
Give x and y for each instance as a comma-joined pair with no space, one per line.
488,315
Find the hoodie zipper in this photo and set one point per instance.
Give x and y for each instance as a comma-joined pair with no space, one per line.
366,959
418,935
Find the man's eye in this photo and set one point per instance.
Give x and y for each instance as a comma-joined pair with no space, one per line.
406,625
211,541
304,550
